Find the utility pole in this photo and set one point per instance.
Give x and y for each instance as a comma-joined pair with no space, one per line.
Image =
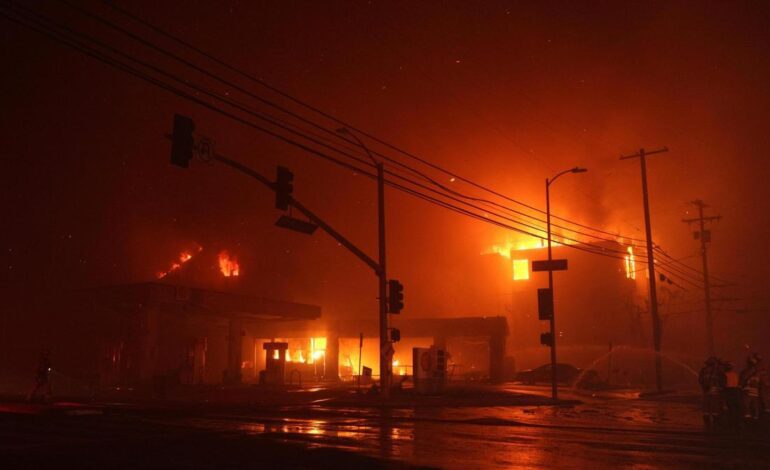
705,237
656,326
549,314
386,346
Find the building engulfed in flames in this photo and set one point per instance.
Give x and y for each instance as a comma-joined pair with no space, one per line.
198,323
599,300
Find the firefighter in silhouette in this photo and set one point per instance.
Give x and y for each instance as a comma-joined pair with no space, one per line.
712,382
42,378
752,382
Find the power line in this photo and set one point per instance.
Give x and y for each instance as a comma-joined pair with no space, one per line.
333,118
107,60
695,270
57,36
290,128
291,113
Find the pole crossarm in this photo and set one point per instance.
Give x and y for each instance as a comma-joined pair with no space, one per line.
307,212
644,153
705,219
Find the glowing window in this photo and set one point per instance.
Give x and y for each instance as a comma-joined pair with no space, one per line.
630,264
520,269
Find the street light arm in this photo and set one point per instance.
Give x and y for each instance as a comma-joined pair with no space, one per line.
346,131
576,169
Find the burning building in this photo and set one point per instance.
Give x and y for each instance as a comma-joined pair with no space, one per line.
599,300
196,323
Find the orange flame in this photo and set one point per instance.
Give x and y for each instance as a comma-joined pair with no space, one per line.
505,249
184,257
519,265
520,269
630,264
228,265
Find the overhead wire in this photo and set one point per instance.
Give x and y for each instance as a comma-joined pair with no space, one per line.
280,92
137,73
274,105
288,127
339,121
584,247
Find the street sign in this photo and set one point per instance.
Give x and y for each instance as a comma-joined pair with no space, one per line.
553,265
544,304
297,225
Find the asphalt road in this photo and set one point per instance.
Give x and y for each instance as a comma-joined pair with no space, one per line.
599,433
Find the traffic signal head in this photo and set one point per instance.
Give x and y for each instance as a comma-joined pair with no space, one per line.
283,188
544,304
395,335
546,339
182,141
395,296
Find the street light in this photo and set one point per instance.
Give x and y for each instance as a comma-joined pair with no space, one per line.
385,350
548,183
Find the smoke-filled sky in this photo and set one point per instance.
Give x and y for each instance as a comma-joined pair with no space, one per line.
503,93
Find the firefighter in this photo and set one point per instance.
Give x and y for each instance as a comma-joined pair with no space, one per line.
42,378
712,382
733,395
752,383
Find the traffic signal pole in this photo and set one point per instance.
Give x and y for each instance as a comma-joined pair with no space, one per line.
554,377
182,150
386,348
552,319
386,362
656,323
304,210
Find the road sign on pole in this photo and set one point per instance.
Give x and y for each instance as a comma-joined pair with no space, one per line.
552,265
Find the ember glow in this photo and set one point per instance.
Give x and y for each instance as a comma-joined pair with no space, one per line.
184,257
228,265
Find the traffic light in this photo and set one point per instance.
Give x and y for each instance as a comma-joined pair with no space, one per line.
182,141
395,296
544,304
283,188
395,335
546,339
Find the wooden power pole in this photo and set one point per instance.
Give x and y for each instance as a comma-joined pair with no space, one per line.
705,237
656,324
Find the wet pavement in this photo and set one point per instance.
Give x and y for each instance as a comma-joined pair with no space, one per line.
600,432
